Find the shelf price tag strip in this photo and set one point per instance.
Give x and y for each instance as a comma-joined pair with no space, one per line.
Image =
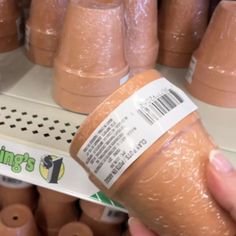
60,173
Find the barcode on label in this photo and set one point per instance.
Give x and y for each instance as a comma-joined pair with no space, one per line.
112,216
155,107
132,128
12,183
10,180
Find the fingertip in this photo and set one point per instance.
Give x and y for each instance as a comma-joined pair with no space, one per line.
220,162
221,179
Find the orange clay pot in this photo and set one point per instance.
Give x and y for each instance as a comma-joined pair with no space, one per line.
182,24
102,220
10,20
75,229
40,56
141,34
13,191
43,29
171,172
17,220
54,210
88,68
211,76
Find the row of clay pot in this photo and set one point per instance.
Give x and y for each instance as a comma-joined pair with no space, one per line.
53,210
18,220
84,20
178,38
211,75
88,69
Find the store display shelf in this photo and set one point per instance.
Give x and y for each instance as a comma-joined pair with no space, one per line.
33,126
35,133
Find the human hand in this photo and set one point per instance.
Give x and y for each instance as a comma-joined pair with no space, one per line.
137,228
221,178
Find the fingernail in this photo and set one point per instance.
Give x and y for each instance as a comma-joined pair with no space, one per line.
131,220
220,162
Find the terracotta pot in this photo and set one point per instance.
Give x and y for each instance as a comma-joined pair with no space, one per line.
102,220
17,220
181,36
54,209
44,26
75,229
48,231
211,76
9,27
99,228
10,18
88,67
40,56
171,172
9,43
141,34
13,191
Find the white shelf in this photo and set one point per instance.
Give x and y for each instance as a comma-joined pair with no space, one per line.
30,117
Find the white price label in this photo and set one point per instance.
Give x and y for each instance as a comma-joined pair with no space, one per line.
132,128
112,216
191,70
124,79
12,183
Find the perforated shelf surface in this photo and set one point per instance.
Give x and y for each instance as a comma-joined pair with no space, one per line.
27,110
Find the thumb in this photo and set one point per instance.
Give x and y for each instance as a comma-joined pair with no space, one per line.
136,228
221,177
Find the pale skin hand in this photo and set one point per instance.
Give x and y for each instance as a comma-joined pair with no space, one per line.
221,177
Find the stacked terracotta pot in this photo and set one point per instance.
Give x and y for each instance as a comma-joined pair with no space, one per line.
10,21
102,220
141,35
43,30
13,191
54,211
211,77
17,220
181,28
75,229
90,63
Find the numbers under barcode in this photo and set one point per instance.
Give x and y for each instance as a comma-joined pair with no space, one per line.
158,106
